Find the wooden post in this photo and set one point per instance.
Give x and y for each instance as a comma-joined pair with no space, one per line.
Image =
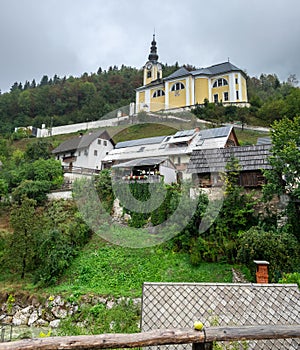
202,346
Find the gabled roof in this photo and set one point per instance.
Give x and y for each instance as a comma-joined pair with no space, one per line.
81,141
217,69
215,137
215,160
178,305
140,142
215,132
179,73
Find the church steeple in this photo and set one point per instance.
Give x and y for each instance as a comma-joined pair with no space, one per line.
152,69
153,56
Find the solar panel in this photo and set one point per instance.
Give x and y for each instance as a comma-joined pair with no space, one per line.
140,142
184,133
214,133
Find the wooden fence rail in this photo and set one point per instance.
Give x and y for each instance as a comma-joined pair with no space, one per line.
157,337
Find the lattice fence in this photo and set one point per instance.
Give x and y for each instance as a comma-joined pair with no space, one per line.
169,305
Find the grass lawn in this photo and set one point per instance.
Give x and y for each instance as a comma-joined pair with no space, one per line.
108,269
249,137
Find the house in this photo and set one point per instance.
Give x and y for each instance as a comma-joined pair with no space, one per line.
177,148
146,170
84,153
178,305
206,165
223,82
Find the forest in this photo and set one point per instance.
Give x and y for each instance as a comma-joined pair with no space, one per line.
58,100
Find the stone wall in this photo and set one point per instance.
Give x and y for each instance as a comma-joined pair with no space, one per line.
24,310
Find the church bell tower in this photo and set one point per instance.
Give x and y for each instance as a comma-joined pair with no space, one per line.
152,69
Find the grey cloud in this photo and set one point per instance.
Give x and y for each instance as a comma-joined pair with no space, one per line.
70,37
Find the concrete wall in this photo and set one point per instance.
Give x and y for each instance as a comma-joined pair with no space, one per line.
68,129
63,194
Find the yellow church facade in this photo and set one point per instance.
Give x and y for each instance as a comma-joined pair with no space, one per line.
222,82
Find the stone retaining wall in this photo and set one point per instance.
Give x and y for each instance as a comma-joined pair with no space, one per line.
29,311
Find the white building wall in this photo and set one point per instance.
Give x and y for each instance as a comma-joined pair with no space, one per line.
168,173
86,158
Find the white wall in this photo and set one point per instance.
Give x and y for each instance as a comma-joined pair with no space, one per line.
92,161
168,173
65,194
68,129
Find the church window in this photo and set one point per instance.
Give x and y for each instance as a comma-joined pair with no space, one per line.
236,80
177,86
237,95
225,96
149,74
220,82
158,93
158,75
95,152
216,98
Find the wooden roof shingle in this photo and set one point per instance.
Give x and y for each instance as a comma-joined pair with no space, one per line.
214,160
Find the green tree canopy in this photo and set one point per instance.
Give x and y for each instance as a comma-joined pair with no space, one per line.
284,177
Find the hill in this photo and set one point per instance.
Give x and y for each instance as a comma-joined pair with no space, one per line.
60,101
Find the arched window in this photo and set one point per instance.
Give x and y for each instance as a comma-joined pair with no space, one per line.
220,82
158,93
177,86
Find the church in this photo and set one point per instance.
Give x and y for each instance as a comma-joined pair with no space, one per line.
221,82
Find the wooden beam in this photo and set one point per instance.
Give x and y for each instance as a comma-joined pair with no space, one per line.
156,337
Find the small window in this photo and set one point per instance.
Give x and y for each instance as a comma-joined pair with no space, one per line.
105,143
237,95
236,80
99,141
158,75
149,74
158,93
225,96
177,86
95,152
216,98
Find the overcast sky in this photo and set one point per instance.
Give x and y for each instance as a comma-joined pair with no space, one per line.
70,37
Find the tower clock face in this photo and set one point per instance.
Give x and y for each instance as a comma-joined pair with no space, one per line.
149,66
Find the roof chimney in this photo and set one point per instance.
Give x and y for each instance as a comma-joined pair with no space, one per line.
262,271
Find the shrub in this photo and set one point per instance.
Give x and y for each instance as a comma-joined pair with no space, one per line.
291,278
280,248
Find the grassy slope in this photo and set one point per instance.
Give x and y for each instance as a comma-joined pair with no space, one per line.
138,131
108,269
